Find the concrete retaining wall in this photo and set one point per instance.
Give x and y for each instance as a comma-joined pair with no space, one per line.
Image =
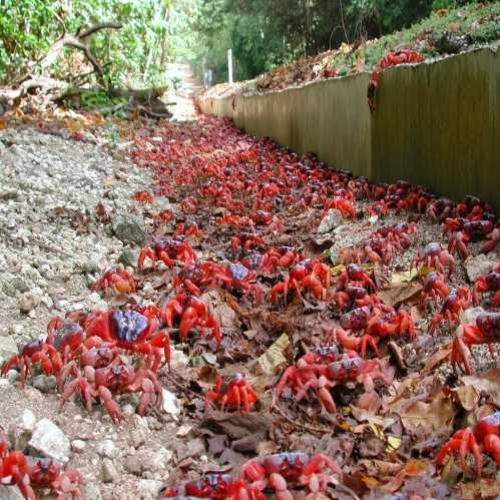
436,124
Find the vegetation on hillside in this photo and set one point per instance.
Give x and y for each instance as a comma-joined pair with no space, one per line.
445,31
265,34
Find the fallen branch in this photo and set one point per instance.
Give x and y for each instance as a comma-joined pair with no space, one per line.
76,41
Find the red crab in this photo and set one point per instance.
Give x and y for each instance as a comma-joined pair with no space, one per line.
215,486
114,378
322,377
234,391
467,230
132,331
34,352
343,205
392,59
143,196
246,242
193,313
352,296
285,471
280,258
436,256
46,473
29,474
458,244
434,287
485,331
493,239
483,437
380,321
489,283
355,274
117,279
309,275
236,276
456,301
168,251
14,470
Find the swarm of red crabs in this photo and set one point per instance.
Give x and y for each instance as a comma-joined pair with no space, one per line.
245,214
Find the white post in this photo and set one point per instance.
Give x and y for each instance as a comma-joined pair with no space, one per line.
230,64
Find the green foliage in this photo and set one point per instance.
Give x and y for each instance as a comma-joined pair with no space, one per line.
267,33
132,56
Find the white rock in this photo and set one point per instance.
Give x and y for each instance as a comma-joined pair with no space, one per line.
171,404
49,440
178,359
183,431
107,449
22,430
478,265
330,221
27,421
28,301
78,445
7,347
10,493
109,472
148,489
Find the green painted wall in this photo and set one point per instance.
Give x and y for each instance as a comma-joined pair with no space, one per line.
439,125
436,124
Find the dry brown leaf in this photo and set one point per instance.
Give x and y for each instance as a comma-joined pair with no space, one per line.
404,277
3,123
453,26
488,382
399,293
482,488
274,357
370,482
429,417
442,354
372,419
413,468
468,397
239,425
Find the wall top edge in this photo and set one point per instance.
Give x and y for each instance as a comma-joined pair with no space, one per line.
491,47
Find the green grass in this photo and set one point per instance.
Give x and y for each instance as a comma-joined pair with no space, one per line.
481,22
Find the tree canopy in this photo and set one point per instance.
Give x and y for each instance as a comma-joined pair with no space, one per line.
264,33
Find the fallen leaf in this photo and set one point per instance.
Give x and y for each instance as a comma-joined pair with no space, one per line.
370,482
411,469
274,357
372,419
481,488
239,425
488,382
468,396
393,443
399,293
404,277
424,418
442,354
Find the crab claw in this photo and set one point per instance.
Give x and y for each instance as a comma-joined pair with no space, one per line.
464,442
147,253
461,354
